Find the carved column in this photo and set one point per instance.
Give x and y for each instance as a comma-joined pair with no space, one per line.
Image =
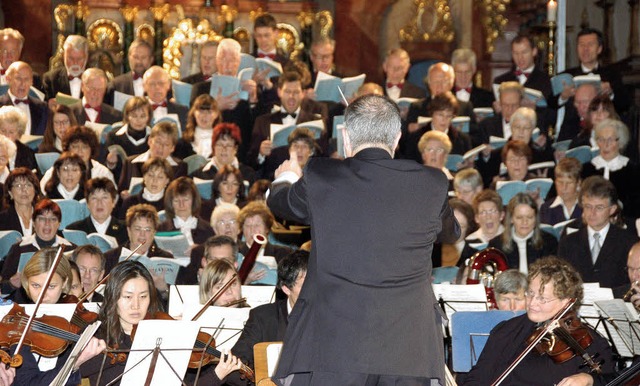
634,46
159,12
129,14
609,51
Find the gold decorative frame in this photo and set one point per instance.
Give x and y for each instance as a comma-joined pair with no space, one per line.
184,35
288,40
146,32
61,14
105,46
432,23
493,20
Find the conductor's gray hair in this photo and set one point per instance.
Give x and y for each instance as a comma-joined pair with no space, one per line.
372,120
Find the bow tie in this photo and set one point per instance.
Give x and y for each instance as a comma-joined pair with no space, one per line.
270,56
520,72
284,114
156,105
18,101
392,85
88,106
467,89
136,76
2,71
71,77
206,78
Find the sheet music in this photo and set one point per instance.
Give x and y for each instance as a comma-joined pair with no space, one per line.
622,320
65,372
273,357
592,293
176,339
469,297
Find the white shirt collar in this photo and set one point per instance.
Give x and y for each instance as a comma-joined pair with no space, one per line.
603,234
588,70
142,158
101,228
68,194
613,165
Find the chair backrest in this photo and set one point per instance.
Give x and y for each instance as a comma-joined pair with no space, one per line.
7,239
418,72
194,162
46,160
265,358
205,188
77,237
72,211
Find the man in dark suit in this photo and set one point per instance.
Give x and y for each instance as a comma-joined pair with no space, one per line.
207,63
265,34
91,107
590,43
599,250
576,111
157,84
524,70
91,263
20,78
291,113
67,79
268,322
140,57
464,62
101,199
11,43
321,56
396,66
360,249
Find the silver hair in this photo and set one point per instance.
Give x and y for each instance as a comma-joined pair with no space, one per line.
153,69
464,55
229,45
435,135
373,120
12,114
510,281
622,131
525,114
94,72
77,42
9,146
12,33
223,209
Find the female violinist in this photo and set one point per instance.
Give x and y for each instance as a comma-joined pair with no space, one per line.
214,276
35,369
553,283
129,297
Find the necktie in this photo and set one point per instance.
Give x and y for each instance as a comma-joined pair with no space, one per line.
18,101
467,89
520,72
156,105
136,76
595,250
398,85
270,56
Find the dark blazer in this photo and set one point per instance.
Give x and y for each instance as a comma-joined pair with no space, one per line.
25,156
509,338
38,111
609,269
262,128
552,216
117,228
10,221
537,80
12,260
136,199
113,255
481,97
248,174
621,99
194,78
107,114
123,83
626,183
117,138
202,232
409,90
182,111
54,81
549,247
357,259
266,323
54,194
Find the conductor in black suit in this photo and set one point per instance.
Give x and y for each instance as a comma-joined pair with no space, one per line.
599,250
66,79
268,322
590,44
368,282
140,57
20,78
91,107
463,61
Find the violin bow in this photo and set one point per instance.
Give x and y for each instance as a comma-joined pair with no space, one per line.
104,279
45,287
215,297
547,329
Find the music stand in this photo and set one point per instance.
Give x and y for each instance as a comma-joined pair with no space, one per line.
622,324
470,330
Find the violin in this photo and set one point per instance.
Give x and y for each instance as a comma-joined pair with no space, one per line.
81,316
203,352
564,342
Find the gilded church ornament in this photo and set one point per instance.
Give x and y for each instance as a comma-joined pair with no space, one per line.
493,20
432,23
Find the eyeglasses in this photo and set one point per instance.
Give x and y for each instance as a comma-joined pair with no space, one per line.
66,122
515,160
437,150
44,219
226,222
597,208
232,184
141,229
70,169
23,187
540,299
490,212
607,141
225,147
91,271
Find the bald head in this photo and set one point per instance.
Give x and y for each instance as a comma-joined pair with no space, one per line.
584,95
156,83
633,263
19,78
440,78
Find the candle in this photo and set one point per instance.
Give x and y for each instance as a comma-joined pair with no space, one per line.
552,9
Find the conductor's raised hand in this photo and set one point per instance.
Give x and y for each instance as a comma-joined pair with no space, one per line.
290,165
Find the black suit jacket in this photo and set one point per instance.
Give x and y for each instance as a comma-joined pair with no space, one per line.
621,99
549,247
54,81
479,97
609,269
357,259
123,83
108,115
537,80
182,111
116,228
194,78
409,90
10,221
38,111
25,156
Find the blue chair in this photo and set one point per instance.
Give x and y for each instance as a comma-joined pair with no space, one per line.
194,162
444,274
162,215
77,237
46,160
418,72
205,188
33,141
7,239
72,211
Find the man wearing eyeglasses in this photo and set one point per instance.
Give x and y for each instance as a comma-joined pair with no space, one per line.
599,249
90,261
91,107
